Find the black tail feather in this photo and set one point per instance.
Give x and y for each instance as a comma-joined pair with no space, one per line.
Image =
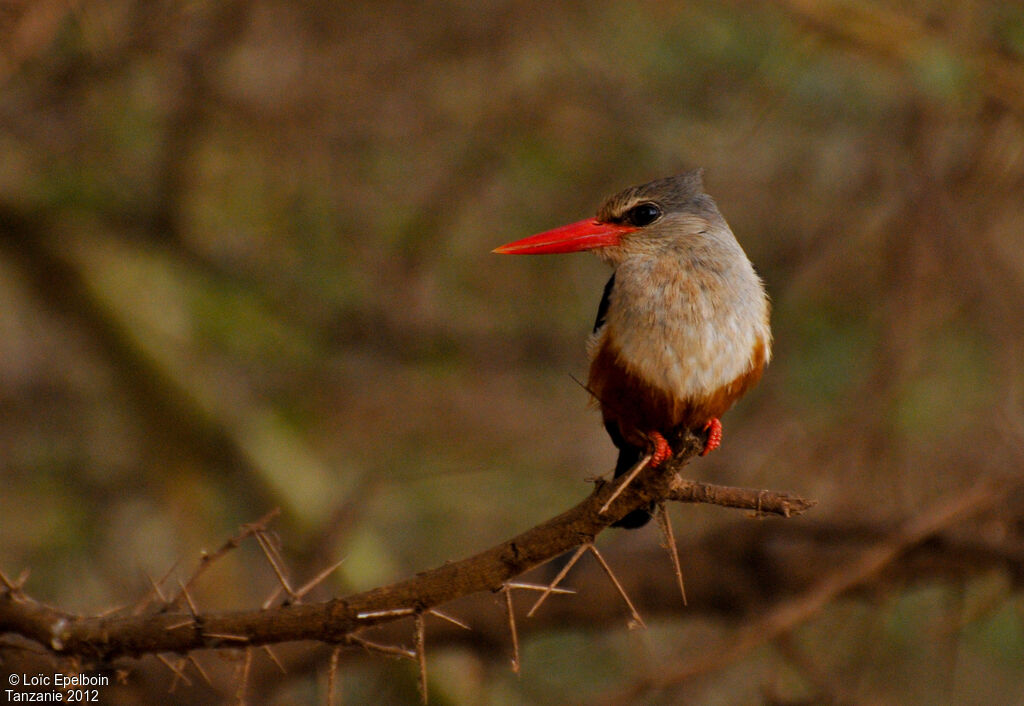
629,456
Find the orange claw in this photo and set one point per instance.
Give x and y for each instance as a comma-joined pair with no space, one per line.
714,430
662,451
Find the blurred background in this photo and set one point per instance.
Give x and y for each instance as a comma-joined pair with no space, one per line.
245,263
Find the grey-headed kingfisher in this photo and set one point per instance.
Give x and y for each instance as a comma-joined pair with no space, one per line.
682,328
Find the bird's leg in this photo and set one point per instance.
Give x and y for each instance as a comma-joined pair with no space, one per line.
662,451
714,430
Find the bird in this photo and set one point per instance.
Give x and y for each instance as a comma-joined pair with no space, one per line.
682,328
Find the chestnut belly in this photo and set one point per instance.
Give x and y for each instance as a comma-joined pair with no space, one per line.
637,407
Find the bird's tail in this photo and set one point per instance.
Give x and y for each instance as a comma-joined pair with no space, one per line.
629,456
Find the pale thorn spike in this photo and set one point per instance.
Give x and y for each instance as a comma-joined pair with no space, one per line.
274,558
19,585
670,545
188,599
633,473
111,611
274,659
199,668
622,592
538,587
156,588
226,636
332,675
182,624
451,619
11,585
176,670
318,579
385,613
391,650
558,578
510,612
272,598
243,678
147,599
421,655
179,672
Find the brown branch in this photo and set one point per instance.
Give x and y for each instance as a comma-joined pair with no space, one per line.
207,559
336,621
763,502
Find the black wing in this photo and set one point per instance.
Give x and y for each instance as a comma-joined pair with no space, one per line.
602,308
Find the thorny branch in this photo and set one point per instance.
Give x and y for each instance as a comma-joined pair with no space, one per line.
167,627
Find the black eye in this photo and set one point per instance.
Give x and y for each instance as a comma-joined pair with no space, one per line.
643,214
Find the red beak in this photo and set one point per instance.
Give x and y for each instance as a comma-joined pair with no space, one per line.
582,235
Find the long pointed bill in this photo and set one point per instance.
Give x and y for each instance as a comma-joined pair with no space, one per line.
582,235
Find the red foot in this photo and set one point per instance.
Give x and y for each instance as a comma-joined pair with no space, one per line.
714,430
662,451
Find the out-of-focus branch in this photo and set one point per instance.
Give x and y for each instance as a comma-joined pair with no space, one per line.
28,30
895,36
789,614
29,242
174,391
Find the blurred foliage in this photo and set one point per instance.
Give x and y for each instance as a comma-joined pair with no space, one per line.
245,263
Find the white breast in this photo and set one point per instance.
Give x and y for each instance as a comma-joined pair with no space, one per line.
686,329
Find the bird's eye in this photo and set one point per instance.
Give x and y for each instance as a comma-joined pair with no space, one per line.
643,214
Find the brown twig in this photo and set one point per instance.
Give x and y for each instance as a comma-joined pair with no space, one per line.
762,502
206,560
